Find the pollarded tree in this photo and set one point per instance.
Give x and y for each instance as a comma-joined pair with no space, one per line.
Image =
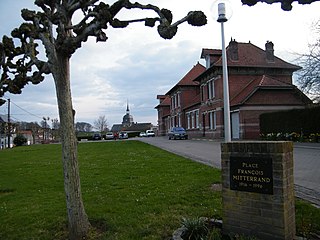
53,26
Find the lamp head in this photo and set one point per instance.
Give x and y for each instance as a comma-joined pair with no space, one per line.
221,10
222,13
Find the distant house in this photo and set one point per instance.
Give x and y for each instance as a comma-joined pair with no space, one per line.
129,125
259,82
4,136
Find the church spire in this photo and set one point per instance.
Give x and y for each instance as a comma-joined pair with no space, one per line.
127,119
128,111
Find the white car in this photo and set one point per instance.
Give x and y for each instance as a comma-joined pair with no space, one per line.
150,133
109,135
142,134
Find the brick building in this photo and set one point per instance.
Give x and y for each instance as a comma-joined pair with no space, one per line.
171,109
259,82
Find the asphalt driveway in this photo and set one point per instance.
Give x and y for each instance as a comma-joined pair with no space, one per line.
306,161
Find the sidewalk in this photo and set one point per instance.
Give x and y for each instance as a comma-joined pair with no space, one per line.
307,145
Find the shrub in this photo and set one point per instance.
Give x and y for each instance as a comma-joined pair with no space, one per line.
205,229
19,140
195,229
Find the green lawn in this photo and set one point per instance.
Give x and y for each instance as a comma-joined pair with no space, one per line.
131,190
137,190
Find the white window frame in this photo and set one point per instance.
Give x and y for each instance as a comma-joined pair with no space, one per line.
197,118
175,101
193,120
188,120
172,102
202,92
212,120
211,89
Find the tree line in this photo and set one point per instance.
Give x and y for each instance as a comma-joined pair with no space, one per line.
100,124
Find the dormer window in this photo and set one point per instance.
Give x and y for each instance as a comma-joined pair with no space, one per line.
208,61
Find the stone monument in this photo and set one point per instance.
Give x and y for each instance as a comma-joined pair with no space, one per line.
258,189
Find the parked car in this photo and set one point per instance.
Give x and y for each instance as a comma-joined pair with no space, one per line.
150,133
177,133
123,135
142,134
96,136
109,135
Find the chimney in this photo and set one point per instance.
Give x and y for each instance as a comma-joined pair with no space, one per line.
233,50
269,51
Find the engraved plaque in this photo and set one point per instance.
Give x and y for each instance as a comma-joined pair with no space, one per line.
251,174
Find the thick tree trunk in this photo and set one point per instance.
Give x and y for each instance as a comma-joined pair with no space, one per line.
77,217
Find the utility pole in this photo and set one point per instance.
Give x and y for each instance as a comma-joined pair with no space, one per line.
9,124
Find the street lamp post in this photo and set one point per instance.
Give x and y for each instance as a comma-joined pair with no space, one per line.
227,126
45,133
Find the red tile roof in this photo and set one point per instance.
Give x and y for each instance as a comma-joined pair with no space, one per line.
269,81
253,56
187,80
261,81
166,102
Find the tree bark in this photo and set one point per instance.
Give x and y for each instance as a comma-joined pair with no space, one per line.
78,220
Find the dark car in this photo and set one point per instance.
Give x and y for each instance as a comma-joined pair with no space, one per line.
96,136
123,135
177,133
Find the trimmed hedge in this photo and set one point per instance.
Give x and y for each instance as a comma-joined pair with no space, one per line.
302,121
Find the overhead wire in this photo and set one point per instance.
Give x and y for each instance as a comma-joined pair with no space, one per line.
34,115
24,110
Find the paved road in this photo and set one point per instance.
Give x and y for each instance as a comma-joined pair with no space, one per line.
306,161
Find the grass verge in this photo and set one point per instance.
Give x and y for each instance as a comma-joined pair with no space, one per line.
131,190
136,191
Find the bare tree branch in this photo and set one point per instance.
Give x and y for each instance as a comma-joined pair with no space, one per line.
309,75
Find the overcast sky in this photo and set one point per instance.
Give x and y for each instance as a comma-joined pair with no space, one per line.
135,64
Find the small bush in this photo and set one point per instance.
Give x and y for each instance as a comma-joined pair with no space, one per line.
195,229
205,229
19,140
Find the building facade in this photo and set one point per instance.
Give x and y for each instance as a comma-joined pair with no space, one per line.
172,105
259,82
